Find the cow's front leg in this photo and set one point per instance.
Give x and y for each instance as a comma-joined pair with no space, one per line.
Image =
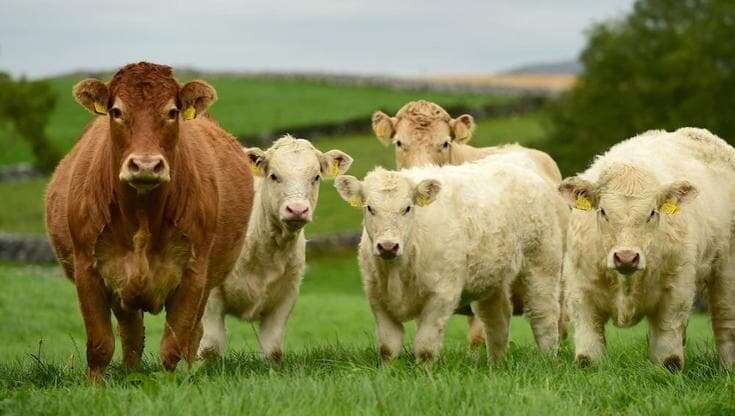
589,330
666,327
389,331
184,309
214,339
273,326
431,324
95,308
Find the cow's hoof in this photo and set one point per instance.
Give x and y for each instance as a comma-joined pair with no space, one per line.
584,361
386,354
425,357
276,356
673,363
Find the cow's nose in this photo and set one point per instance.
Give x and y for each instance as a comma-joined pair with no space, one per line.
388,249
145,172
147,165
297,209
626,261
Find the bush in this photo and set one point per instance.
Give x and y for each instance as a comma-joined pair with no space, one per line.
27,107
669,64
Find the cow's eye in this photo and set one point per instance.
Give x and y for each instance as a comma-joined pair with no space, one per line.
115,113
603,213
317,178
173,114
652,216
370,210
398,143
273,177
445,145
407,210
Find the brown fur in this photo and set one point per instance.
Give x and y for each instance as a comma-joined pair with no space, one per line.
130,252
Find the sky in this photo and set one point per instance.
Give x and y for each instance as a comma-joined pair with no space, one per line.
389,37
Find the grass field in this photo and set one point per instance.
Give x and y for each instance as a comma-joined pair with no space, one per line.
22,209
331,366
247,106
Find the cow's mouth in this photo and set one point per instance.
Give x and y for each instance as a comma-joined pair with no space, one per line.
388,255
295,224
145,184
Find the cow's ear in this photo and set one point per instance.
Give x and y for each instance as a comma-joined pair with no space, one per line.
426,192
258,160
462,128
93,95
334,163
674,195
350,189
384,127
579,193
195,97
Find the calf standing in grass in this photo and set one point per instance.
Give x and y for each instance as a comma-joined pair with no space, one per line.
435,238
653,220
423,133
148,210
265,283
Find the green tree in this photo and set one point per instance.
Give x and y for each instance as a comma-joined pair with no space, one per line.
668,64
27,106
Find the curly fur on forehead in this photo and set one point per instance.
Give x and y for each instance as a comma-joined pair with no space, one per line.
291,144
422,113
144,84
627,180
385,181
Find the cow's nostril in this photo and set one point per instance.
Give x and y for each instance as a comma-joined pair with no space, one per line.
133,166
158,167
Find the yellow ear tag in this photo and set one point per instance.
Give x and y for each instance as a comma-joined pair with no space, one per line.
334,169
582,204
189,113
255,170
670,207
100,108
422,200
355,201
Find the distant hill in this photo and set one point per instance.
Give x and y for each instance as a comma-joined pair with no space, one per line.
572,67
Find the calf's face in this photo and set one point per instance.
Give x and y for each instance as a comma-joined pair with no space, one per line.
389,202
145,105
631,228
291,171
422,140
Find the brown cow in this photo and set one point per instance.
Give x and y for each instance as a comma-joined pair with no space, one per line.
147,211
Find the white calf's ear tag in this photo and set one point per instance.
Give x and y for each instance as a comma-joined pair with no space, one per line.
355,201
582,204
670,207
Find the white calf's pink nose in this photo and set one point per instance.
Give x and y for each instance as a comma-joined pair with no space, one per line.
297,210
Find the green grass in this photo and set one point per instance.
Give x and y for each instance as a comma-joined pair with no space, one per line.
247,106
22,211
331,366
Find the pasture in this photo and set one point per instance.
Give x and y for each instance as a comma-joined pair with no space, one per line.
332,367
331,364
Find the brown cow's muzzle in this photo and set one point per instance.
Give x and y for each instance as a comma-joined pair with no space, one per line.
145,172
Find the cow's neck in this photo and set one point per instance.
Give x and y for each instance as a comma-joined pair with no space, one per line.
142,212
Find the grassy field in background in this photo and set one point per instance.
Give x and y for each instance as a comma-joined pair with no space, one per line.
247,106
22,210
331,366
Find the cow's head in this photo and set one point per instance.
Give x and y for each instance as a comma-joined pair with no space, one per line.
389,201
633,214
144,105
291,171
422,133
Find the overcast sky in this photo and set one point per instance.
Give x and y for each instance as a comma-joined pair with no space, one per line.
45,37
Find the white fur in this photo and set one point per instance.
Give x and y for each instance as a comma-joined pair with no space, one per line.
492,222
265,283
678,252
